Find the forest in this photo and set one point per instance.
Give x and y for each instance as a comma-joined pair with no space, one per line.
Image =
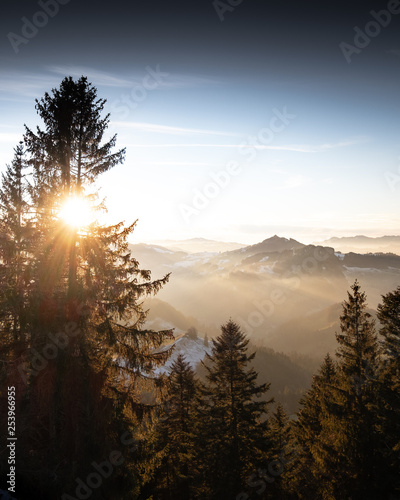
84,413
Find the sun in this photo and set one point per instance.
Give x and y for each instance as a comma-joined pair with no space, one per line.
76,212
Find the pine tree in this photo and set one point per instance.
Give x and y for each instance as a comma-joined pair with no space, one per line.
16,238
358,441
232,430
87,354
175,476
389,385
281,453
311,472
338,428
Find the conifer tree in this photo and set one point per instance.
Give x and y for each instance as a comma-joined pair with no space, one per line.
16,238
232,428
359,437
175,476
338,428
311,475
86,352
389,385
281,453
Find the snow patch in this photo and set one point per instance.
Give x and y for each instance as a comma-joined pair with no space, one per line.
340,255
362,269
162,250
193,350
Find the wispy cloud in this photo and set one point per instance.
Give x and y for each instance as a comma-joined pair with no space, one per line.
299,148
94,76
101,78
25,85
167,129
180,164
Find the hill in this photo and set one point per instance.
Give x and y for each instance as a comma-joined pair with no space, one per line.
279,290
365,244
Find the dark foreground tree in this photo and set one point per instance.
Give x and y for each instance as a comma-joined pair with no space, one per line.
389,386
174,478
357,443
232,430
339,428
75,301
310,471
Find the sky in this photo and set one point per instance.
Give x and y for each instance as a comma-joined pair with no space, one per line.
241,119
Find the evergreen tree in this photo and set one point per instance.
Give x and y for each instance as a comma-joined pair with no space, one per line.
232,430
86,354
358,442
311,473
281,453
16,238
338,427
389,385
175,476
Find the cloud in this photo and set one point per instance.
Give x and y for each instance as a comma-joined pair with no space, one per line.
167,129
298,148
101,78
25,85
94,76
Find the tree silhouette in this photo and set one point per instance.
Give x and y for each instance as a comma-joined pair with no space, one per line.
86,355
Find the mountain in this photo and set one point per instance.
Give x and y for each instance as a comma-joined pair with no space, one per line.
365,244
272,289
274,244
197,245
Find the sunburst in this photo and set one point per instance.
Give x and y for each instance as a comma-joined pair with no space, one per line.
77,212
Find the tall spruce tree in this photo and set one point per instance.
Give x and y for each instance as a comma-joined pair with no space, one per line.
281,454
389,386
86,352
232,430
338,429
358,438
14,242
310,471
176,435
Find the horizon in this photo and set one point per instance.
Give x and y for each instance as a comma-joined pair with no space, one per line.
304,241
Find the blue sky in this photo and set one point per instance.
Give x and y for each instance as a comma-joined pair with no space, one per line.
236,129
